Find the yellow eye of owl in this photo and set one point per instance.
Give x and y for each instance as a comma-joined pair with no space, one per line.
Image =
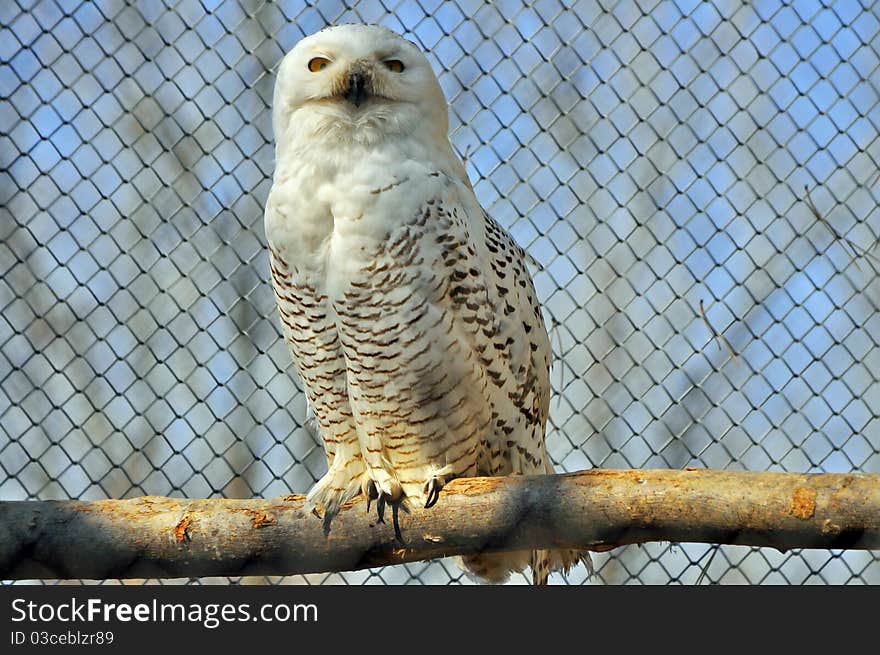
318,64
394,65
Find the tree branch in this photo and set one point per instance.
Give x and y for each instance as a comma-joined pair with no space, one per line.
597,510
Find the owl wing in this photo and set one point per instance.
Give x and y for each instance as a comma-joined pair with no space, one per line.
524,363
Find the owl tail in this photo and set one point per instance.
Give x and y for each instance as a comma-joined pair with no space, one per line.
545,562
495,568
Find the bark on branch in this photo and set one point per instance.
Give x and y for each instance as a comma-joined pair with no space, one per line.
597,509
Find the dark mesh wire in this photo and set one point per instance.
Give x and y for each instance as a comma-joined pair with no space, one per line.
649,155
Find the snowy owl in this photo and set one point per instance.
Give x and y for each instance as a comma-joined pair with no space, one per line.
410,313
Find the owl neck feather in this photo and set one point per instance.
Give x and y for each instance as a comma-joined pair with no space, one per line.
340,144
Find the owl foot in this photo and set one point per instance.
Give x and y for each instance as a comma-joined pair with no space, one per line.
435,484
332,491
384,498
396,505
432,490
380,486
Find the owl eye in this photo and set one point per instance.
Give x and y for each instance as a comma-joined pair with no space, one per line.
394,65
318,64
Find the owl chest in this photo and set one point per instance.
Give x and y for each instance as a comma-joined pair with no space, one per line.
307,217
335,230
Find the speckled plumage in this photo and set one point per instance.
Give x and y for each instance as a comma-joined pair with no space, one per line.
410,314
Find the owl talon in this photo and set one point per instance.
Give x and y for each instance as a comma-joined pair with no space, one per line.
380,506
371,492
432,491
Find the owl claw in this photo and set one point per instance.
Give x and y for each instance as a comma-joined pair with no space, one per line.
392,499
380,506
432,491
396,503
371,493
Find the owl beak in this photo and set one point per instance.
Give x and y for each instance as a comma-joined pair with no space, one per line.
356,89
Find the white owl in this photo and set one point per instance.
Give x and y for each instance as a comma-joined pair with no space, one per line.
410,313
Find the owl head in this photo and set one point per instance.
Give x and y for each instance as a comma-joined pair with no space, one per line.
359,83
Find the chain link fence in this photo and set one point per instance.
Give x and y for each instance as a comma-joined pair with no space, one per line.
680,170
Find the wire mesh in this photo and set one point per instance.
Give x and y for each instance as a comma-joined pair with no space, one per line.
698,181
